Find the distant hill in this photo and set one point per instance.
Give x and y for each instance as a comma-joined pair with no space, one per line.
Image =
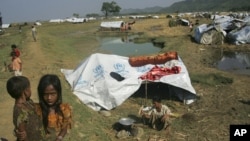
196,6
208,5
155,9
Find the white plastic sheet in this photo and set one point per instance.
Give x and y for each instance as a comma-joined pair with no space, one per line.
92,83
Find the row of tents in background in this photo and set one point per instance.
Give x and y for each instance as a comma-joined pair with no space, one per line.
224,28
72,20
232,28
82,20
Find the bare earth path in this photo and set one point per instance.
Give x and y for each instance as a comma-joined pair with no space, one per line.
33,63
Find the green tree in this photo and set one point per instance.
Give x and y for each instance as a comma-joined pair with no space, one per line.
76,15
110,8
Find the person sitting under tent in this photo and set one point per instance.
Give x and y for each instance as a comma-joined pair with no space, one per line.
158,116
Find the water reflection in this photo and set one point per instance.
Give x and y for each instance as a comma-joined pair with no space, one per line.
236,62
125,46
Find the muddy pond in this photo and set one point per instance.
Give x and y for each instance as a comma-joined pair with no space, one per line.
234,62
125,46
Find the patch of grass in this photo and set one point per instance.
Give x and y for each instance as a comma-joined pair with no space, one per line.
210,79
139,40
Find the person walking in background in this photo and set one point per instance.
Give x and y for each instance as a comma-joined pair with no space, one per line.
25,117
34,32
16,64
20,29
57,116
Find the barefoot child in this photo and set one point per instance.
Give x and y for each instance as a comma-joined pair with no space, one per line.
16,64
56,115
25,118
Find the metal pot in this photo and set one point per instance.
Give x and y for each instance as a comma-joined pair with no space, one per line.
126,121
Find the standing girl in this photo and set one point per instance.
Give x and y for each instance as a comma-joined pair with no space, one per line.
56,115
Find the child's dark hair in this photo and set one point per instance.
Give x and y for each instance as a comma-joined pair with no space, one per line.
45,81
156,99
16,85
13,46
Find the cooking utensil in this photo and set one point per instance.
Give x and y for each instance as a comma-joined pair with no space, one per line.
126,121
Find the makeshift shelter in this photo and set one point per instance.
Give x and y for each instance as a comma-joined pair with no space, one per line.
176,22
6,25
184,22
169,16
56,20
76,20
240,35
111,25
106,81
209,34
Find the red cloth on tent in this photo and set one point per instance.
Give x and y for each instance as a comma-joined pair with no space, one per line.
157,72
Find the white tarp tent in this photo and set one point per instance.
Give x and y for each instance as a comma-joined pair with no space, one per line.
5,25
56,20
92,83
112,24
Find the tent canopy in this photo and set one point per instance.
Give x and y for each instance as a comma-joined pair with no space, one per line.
112,24
94,84
240,36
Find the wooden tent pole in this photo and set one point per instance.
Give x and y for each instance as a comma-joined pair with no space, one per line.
146,92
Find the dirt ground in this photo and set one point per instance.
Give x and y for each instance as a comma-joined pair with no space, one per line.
208,119
31,52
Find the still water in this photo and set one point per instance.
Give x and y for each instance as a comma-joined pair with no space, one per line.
235,62
124,46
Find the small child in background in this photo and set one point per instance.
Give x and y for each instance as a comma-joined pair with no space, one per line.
16,50
25,117
34,32
16,64
191,26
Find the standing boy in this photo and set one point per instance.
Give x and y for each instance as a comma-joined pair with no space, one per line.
25,117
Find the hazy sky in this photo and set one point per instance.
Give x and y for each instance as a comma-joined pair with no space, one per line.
32,10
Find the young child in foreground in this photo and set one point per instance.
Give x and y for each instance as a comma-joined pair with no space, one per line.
56,115
25,118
